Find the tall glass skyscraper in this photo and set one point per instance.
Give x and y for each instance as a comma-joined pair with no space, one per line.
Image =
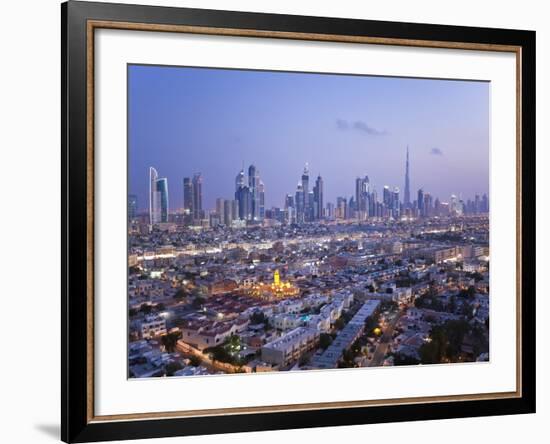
261,194
362,197
242,196
132,206
420,202
407,193
305,192
154,197
318,198
197,197
253,186
299,202
188,195
158,198
162,189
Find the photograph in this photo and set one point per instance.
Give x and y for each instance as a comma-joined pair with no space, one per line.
284,221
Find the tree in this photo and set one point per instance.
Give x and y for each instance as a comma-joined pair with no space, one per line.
170,340
325,340
445,342
172,367
399,359
145,308
195,361
180,293
198,302
219,353
339,324
258,317
370,324
452,304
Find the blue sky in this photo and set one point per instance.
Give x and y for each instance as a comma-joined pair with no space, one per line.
186,120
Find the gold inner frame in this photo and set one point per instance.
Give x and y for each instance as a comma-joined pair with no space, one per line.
92,25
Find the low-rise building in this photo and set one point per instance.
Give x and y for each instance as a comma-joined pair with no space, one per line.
152,326
345,339
289,347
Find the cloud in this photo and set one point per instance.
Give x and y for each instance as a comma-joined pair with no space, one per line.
342,124
360,126
436,152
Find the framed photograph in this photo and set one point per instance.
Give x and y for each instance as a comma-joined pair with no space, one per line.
275,221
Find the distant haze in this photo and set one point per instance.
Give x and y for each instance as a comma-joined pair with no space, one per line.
212,121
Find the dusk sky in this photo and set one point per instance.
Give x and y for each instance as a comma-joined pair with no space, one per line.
187,120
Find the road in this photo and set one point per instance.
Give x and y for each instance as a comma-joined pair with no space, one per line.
380,352
187,351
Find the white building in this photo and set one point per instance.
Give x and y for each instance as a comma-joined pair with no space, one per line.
152,326
290,347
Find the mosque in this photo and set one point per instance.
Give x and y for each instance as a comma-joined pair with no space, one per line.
277,289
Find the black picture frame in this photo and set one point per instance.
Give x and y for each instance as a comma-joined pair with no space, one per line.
76,424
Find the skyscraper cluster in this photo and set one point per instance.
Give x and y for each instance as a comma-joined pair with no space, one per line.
192,198
250,195
306,204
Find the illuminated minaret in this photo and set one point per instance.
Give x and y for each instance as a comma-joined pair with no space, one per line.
276,278
407,194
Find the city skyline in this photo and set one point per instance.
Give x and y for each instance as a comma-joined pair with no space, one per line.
308,204
465,170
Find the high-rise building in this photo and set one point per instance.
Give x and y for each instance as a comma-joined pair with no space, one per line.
395,203
188,194
228,212
374,209
477,205
158,198
162,189
310,206
242,195
453,208
330,210
362,197
197,197
154,197
253,185
318,198
289,201
352,208
420,202
407,193
341,208
261,194
220,203
234,210
240,180
484,204
387,199
305,191
132,207
428,205
437,207
250,195
300,203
